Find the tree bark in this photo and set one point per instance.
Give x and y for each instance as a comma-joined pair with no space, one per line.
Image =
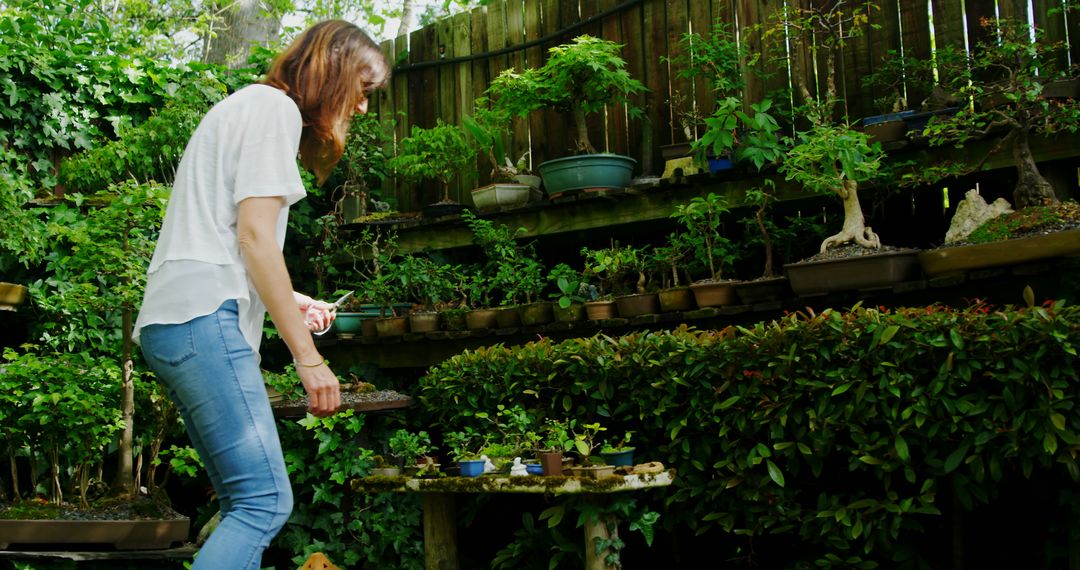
855,228
124,483
243,24
406,18
581,133
1032,189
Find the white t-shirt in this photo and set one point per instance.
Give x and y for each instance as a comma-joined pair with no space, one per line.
245,146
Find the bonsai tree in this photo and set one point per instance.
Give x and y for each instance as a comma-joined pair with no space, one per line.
700,220
581,77
512,268
421,280
410,446
488,127
364,166
834,159
1006,76
437,153
716,59
761,198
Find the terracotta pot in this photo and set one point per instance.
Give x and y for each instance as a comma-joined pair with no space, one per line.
762,290
874,271
508,317
537,313
676,299
639,304
575,312
599,310
481,319
391,326
714,293
552,462
423,321
944,260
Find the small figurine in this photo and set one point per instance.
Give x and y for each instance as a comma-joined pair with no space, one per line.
488,465
518,468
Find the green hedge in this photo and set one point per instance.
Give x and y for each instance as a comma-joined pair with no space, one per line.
837,430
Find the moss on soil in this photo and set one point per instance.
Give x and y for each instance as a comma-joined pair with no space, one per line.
105,508
1028,221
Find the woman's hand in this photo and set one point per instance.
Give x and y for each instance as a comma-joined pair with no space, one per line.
323,390
318,315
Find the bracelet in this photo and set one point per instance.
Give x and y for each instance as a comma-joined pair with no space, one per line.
316,365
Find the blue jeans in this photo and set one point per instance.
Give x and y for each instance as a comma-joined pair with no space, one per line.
213,376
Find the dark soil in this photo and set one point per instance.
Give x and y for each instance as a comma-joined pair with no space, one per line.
851,250
104,509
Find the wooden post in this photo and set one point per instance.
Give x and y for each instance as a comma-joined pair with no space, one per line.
603,527
440,532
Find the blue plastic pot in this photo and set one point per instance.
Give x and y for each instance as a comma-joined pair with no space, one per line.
719,164
619,458
534,469
471,467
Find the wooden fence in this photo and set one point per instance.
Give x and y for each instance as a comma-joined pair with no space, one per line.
441,69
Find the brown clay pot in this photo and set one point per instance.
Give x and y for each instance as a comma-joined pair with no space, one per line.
536,313
508,317
453,320
481,319
423,321
552,462
575,312
676,299
599,310
640,304
367,328
714,293
391,326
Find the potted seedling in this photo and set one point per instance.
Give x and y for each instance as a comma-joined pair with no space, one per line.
557,440
488,129
412,448
383,468
464,448
761,228
580,78
701,221
570,295
671,259
436,153
619,453
586,442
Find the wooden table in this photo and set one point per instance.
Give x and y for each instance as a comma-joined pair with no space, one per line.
440,528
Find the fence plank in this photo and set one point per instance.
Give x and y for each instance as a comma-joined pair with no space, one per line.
384,107
751,14
977,12
461,25
915,21
1072,19
534,56
630,21
948,24
554,123
478,68
515,35
1013,9
595,121
857,61
1052,25
402,82
611,29
658,109
681,89
884,38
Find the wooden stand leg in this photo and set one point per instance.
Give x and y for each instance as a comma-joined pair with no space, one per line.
440,532
599,529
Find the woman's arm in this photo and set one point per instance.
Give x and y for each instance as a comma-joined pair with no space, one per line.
256,222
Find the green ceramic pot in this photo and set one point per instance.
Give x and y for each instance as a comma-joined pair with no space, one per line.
586,171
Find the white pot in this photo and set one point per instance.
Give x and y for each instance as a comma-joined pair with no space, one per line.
500,194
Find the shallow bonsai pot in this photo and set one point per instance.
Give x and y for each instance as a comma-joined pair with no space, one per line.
349,324
599,310
677,150
391,326
440,209
423,321
575,312
500,194
762,290
944,260
531,180
385,471
586,171
714,293
593,471
676,299
874,271
640,304
537,313
481,319
886,128
507,317
121,534
12,294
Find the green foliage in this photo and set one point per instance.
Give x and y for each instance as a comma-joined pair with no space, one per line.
58,407
365,162
510,268
322,455
569,284
410,446
838,430
23,237
1027,220
437,153
581,77
184,461
701,223
715,58
150,150
621,270
826,155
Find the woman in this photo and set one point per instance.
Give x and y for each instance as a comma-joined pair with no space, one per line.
218,268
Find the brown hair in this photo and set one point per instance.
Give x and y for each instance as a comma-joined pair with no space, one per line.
329,69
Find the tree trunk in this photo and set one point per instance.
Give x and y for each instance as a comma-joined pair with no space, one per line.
124,483
406,18
1031,188
581,134
243,23
855,228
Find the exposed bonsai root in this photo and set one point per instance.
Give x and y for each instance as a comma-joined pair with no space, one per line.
863,236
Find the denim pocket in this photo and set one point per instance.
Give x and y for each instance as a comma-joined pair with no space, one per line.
172,344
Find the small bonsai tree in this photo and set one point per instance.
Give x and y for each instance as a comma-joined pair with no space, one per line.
761,198
511,267
410,446
1005,77
437,153
581,78
489,127
701,223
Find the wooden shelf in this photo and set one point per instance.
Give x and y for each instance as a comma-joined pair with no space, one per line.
541,484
